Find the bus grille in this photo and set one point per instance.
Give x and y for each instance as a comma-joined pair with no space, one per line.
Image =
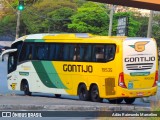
140,66
109,85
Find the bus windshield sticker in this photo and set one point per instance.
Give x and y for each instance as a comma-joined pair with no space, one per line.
130,85
13,85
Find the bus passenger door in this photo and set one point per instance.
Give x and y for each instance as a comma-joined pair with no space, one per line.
12,65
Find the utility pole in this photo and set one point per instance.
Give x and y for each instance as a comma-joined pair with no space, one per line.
18,24
111,20
149,32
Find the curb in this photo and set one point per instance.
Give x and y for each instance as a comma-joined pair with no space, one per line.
73,108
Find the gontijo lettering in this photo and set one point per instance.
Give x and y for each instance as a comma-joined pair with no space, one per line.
77,68
139,59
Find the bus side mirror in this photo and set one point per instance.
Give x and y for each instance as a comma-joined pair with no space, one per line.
1,59
6,52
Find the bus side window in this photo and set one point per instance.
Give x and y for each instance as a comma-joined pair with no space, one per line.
59,52
76,56
45,52
85,52
99,53
82,52
68,52
39,53
52,51
29,51
110,52
71,52
29,55
24,55
65,50
42,52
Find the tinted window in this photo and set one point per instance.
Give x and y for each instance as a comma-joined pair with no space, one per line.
68,52
85,52
18,46
103,53
27,52
110,52
12,62
12,59
99,53
41,52
59,52
52,52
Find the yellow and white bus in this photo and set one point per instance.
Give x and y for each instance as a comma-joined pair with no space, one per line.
92,67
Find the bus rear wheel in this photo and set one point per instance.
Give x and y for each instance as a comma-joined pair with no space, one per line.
26,89
83,93
129,100
95,94
115,101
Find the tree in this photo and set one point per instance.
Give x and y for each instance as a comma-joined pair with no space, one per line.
45,15
90,17
143,20
8,18
156,28
59,19
8,25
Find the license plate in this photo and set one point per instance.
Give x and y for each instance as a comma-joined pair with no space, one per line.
139,94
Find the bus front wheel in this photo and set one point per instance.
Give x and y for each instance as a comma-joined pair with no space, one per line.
26,89
95,94
129,100
83,93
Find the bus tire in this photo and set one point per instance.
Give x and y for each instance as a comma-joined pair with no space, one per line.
83,93
57,95
95,94
129,100
26,89
115,101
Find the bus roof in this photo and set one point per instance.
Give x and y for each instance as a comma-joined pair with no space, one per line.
74,37
49,36
66,36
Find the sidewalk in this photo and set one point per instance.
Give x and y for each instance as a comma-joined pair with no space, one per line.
153,100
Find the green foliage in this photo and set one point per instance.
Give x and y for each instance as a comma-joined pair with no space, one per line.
156,28
48,15
41,16
60,19
91,18
14,3
8,25
133,27
143,20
